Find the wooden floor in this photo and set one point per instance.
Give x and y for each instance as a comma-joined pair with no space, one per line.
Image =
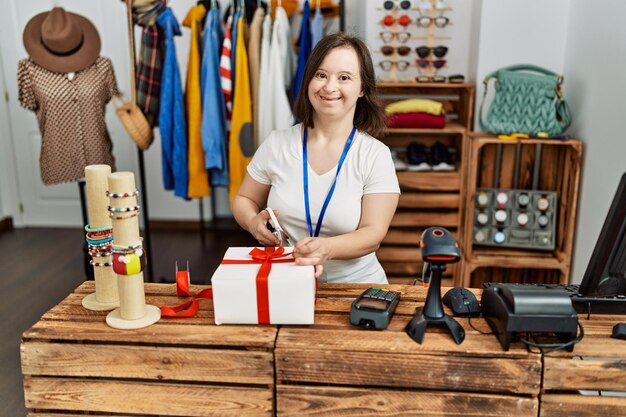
40,266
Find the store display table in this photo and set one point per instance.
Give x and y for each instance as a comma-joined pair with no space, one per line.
74,363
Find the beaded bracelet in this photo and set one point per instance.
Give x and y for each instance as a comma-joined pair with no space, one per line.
99,254
100,246
122,195
127,249
123,209
102,233
100,263
118,217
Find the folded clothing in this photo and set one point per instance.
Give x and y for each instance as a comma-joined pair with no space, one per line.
412,105
416,120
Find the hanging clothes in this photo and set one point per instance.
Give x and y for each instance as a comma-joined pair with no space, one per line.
172,112
226,75
274,107
150,62
263,121
240,142
282,30
214,133
317,27
233,51
254,61
304,43
198,175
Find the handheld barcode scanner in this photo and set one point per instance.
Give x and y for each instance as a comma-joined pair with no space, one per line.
438,249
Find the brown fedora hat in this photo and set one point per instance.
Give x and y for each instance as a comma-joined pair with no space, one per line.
61,41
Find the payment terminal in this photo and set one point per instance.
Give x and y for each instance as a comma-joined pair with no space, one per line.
373,309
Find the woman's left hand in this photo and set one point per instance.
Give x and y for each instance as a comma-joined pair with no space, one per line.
312,251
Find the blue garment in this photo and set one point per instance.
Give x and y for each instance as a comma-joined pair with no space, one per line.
213,129
172,113
304,42
317,28
233,50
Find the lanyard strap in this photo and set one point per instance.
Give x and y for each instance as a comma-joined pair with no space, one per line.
305,171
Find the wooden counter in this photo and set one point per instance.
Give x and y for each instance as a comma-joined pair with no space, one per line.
74,363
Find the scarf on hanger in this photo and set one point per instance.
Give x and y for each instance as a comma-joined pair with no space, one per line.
150,63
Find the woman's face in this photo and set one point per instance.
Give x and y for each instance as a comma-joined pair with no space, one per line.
336,85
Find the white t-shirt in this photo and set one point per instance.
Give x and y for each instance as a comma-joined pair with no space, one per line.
367,169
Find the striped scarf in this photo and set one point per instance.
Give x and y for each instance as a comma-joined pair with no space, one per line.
150,64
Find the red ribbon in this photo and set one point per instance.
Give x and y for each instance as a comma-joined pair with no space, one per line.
266,258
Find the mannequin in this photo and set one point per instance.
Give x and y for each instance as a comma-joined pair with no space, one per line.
67,84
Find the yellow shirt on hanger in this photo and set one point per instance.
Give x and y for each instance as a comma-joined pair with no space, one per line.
198,175
240,144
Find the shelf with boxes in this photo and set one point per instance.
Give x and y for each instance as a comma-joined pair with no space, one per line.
520,209
431,195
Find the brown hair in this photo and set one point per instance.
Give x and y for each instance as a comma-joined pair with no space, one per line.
369,115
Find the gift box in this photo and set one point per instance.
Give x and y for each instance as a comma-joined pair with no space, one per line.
263,286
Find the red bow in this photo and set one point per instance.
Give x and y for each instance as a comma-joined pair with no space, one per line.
266,258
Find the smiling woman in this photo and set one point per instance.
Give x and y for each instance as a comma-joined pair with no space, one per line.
333,184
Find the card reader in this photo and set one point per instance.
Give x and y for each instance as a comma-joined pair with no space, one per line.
373,309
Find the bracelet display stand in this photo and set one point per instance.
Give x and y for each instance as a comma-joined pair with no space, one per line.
106,296
133,312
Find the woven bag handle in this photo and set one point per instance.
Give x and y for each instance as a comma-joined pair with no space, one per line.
131,33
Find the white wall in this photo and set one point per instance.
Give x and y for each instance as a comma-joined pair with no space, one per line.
595,81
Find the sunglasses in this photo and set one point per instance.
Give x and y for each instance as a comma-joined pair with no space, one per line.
391,4
400,50
425,63
402,37
439,21
400,65
425,6
425,51
403,20
455,79
430,79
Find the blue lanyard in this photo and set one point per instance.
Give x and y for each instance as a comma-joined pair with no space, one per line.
305,171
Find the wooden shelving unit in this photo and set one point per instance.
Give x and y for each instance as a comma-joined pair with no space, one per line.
560,172
428,198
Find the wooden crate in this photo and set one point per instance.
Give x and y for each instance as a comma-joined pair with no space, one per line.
74,363
334,368
428,198
602,368
560,172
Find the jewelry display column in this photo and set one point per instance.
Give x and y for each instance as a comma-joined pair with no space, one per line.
99,235
128,256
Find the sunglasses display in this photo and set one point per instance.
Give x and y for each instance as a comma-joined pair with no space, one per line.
425,63
386,65
438,51
438,21
400,50
402,37
403,20
402,5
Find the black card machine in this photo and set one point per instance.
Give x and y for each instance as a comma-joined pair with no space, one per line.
374,308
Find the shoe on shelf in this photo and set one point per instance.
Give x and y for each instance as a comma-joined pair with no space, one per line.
440,157
399,163
417,157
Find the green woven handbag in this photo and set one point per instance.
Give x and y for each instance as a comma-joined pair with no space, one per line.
528,100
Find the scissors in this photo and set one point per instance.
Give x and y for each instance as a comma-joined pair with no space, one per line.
282,236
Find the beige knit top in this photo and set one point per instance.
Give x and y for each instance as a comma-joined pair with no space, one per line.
70,114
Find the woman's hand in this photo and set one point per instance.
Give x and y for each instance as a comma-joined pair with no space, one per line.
313,251
257,226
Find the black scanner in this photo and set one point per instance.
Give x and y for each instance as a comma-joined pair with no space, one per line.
462,302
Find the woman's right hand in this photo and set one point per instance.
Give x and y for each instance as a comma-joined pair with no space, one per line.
257,226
